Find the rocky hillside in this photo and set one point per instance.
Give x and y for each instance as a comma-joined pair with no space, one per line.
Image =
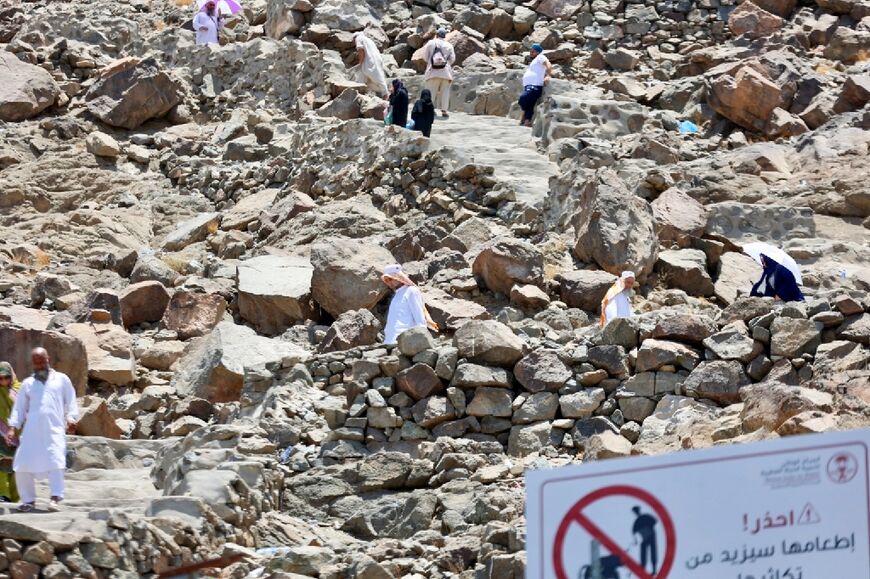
196,234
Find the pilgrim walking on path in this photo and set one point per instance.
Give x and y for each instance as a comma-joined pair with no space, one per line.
616,303
407,309
207,24
440,57
44,410
371,64
536,76
9,388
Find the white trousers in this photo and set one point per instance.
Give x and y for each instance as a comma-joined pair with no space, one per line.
27,484
440,89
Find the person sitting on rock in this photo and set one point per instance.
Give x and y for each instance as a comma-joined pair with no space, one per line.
423,114
776,282
407,309
371,64
616,303
207,24
536,76
399,103
9,387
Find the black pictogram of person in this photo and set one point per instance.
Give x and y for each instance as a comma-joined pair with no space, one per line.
645,526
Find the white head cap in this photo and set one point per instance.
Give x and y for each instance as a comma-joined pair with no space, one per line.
627,275
392,270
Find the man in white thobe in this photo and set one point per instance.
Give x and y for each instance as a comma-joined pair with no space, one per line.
371,64
207,23
440,56
45,407
407,309
616,303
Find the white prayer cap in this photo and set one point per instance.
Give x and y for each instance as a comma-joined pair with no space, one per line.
626,275
392,270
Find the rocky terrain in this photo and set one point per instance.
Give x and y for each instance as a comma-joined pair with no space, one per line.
196,234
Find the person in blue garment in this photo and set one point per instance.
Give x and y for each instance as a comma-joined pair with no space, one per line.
777,282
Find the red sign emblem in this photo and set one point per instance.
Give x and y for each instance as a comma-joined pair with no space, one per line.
618,556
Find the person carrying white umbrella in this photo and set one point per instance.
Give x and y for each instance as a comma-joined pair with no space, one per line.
210,19
781,276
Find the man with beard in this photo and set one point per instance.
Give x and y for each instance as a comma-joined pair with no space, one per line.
45,409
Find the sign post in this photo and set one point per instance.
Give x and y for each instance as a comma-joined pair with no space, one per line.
796,508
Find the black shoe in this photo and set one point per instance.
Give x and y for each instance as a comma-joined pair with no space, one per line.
5,499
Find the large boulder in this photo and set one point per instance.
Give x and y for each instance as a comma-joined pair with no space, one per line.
193,314
95,419
274,292
541,371
214,367
191,231
68,354
488,342
686,269
26,90
285,17
719,381
504,262
792,337
584,288
130,91
554,9
143,302
754,21
347,275
346,15
768,405
351,330
419,381
678,216
615,228
745,97
737,273
110,352
450,312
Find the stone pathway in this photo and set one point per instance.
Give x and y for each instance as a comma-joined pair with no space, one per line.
502,143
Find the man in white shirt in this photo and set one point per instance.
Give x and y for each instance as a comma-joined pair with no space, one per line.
371,64
207,23
616,303
407,309
440,57
45,409
537,75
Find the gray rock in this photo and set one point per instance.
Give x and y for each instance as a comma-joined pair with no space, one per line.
347,275
686,269
275,292
584,289
734,343
606,445
537,407
131,92
581,404
636,408
719,381
488,342
504,262
613,359
412,342
542,370
351,329
191,231
491,402
26,91
419,381
653,354
432,411
791,337
528,439
474,375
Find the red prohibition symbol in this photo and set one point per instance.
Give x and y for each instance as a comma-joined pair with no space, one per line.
575,515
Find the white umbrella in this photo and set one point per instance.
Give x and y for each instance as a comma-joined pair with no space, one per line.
757,249
227,7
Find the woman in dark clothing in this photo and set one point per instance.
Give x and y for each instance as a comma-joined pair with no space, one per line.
777,282
399,103
423,114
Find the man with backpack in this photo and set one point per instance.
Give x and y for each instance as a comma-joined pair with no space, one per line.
440,57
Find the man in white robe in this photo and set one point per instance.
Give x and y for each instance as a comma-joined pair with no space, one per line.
407,309
207,24
371,64
45,408
616,303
